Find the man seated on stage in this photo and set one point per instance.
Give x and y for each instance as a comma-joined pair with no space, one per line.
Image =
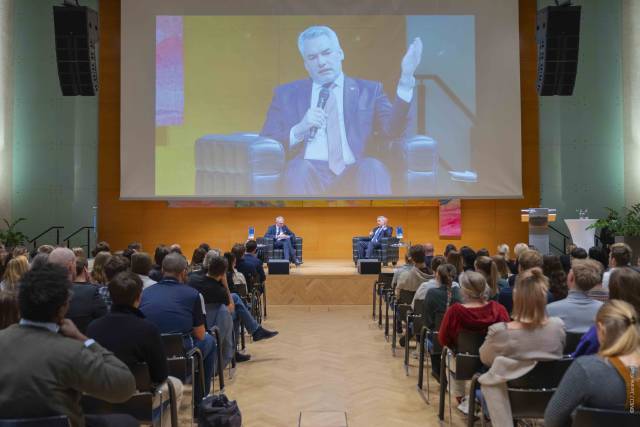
366,246
283,238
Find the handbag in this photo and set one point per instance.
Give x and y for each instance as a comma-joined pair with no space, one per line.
219,411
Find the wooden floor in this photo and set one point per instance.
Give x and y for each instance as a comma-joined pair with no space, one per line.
330,366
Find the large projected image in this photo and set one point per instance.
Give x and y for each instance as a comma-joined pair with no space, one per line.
334,130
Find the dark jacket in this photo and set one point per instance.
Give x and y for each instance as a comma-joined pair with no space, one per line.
86,305
251,267
132,339
436,304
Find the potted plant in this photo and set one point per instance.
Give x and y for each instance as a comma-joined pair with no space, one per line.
624,225
10,237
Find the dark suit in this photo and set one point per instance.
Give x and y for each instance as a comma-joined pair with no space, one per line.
86,305
367,111
251,267
367,245
287,245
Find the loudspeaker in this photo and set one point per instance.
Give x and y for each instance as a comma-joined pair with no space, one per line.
369,266
557,36
76,29
278,266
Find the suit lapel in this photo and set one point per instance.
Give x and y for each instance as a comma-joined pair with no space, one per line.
304,100
350,108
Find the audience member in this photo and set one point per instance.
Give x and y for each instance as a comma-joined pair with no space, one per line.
454,258
578,310
599,254
511,349
485,266
116,264
608,380
97,273
248,263
619,256
440,298
77,251
504,251
552,268
131,337
46,363
408,265
100,247
474,314
428,253
503,271
176,249
46,249
518,250
156,271
410,280
483,252
526,260
16,268
235,279
624,285
20,251
135,246
176,308
9,311
468,258
578,253
205,246
39,260
196,259
421,293
141,265
449,248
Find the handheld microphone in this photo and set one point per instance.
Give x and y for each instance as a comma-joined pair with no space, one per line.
322,102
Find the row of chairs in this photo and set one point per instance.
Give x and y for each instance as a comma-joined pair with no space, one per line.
529,395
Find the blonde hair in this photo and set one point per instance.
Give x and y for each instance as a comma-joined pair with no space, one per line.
97,274
473,285
503,249
16,267
519,248
503,267
530,298
488,268
621,331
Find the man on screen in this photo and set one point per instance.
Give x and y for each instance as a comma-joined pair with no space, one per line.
367,246
283,238
326,122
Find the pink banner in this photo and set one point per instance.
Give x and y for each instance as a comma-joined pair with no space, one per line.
450,218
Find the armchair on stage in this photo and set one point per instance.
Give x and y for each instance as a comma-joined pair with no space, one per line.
387,253
269,252
246,163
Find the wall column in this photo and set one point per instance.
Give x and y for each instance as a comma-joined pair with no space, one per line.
6,107
631,91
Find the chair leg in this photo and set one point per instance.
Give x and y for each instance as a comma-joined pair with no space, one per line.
472,401
373,304
242,343
443,384
421,342
406,346
395,330
173,404
386,317
264,299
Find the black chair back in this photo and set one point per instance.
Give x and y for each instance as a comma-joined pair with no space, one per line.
418,321
405,296
592,417
571,342
179,364
530,394
385,278
55,421
468,354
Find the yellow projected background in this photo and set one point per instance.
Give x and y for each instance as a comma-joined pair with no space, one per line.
233,63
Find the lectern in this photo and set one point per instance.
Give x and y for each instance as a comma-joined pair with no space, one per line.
538,219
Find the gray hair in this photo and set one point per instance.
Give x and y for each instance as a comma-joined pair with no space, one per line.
317,31
279,217
174,263
62,256
209,256
382,217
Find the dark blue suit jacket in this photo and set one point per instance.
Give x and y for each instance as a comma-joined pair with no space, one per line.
384,233
271,232
251,266
366,109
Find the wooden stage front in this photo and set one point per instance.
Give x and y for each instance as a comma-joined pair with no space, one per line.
321,282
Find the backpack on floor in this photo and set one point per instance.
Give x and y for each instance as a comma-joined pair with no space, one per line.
218,411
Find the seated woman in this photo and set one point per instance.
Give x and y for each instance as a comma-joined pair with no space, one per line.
488,268
624,284
512,349
608,380
503,271
475,314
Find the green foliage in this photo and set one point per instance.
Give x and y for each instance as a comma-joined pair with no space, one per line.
11,237
626,222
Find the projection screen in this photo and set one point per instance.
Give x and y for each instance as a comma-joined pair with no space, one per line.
262,100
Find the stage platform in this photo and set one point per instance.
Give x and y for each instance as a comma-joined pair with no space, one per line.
322,282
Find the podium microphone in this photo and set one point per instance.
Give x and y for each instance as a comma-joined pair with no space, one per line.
322,102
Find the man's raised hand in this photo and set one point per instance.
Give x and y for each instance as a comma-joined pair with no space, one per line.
412,58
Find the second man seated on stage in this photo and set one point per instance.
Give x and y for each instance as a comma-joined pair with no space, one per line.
367,247
283,238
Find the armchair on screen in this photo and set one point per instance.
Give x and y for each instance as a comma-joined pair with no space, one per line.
387,253
238,164
269,252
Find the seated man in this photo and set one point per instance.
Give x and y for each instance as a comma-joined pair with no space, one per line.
176,308
131,337
366,246
86,303
141,265
46,363
284,239
578,311
248,263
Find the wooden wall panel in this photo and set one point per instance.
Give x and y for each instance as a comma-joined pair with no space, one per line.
327,231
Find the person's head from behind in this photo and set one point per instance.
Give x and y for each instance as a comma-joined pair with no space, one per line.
141,263
578,253
619,255
598,254
82,270
445,273
175,266
217,267
16,268
45,294
618,329
46,249
624,284
117,264
503,249
416,252
238,251
501,264
208,257
39,260
9,311
483,252
161,252
584,274
251,246
321,53
529,259
126,289
20,250
428,249
530,298
100,247
198,256
97,273
485,266
175,248
449,248
468,257
473,286
437,261
135,246
454,258
231,261
64,257
205,246
519,248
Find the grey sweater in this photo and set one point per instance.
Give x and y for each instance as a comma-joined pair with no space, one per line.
590,381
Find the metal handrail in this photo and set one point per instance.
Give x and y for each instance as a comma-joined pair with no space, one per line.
564,238
86,227
55,227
